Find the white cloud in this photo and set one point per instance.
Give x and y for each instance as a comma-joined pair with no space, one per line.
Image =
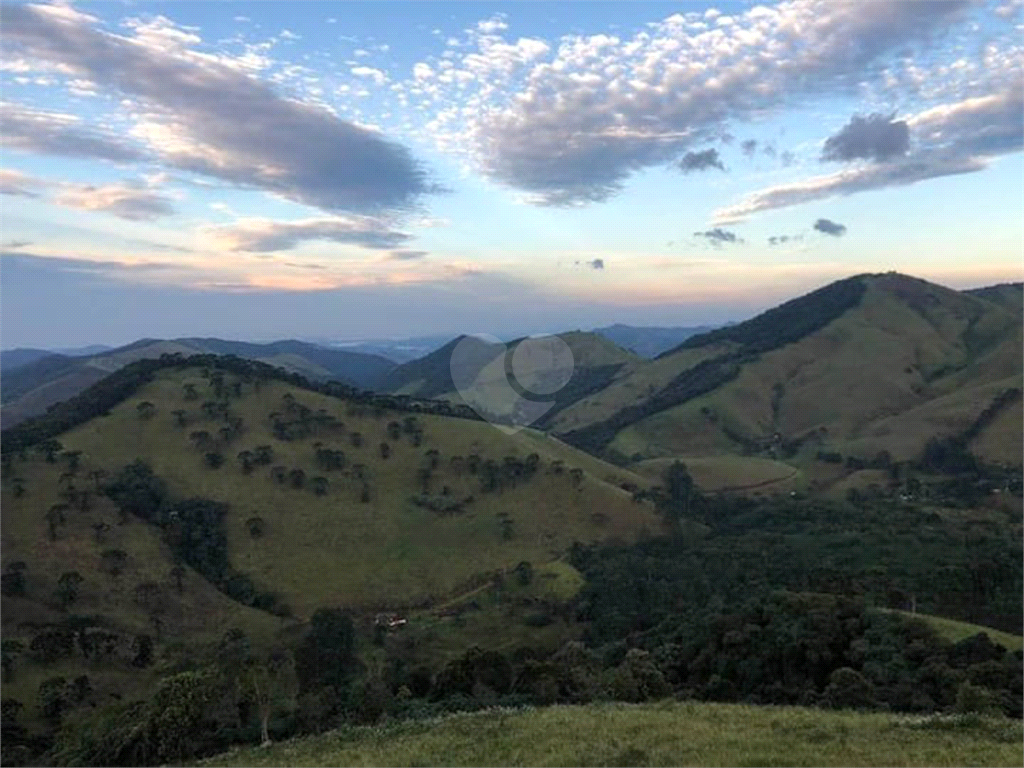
374,74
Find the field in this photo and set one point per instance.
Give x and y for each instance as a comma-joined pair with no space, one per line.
335,549
955,631
730,473
667,733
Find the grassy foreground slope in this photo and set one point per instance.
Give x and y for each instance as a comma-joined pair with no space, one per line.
667,733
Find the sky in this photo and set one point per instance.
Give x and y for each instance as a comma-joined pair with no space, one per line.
377,170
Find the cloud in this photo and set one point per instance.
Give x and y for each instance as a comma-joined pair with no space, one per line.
701,161
749,147
830,227
950,139
208,115
265,235
597,264
875,137
406,255
56,133
373,74
573,128
131,201
717,236
17,183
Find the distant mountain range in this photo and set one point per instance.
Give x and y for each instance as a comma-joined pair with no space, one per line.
29,388
649,341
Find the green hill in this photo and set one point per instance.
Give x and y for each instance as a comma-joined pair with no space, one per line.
667,733
596,364
871,363
355,505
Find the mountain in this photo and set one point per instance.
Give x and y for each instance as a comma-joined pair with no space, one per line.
872,363
648,341
32,387
314,500
13,358
396,350
483,370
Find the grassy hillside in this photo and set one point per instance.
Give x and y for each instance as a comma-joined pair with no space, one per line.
335,548
667,733
730,473
955,631
885,369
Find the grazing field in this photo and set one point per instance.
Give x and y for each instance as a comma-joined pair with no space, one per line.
730,473
667,733
337,548
954,631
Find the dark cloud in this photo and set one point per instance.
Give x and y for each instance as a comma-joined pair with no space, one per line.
15,244
787,158
718,236
875,137
829,227
211,117
783,239
749,147
701,161
264,235
597,264
54,133
406,255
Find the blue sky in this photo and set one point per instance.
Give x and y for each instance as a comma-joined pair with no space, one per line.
264,170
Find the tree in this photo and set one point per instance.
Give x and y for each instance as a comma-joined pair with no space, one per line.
256,526
12,581
18,486
190,391
394,430
12,649
55,517
325,655
247,458
320,485
150,597
74,459
279,474
264,454
52,700
297,478
178,574
274,685
50,448
142,650
848,689
356,438
113,561
200,438
213,459
146,410
67,587
678,491
179,417
385,450
524,572
99,531
97,475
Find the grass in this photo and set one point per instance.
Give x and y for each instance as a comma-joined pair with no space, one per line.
729,473
335,550
954,631
865,378
666,733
